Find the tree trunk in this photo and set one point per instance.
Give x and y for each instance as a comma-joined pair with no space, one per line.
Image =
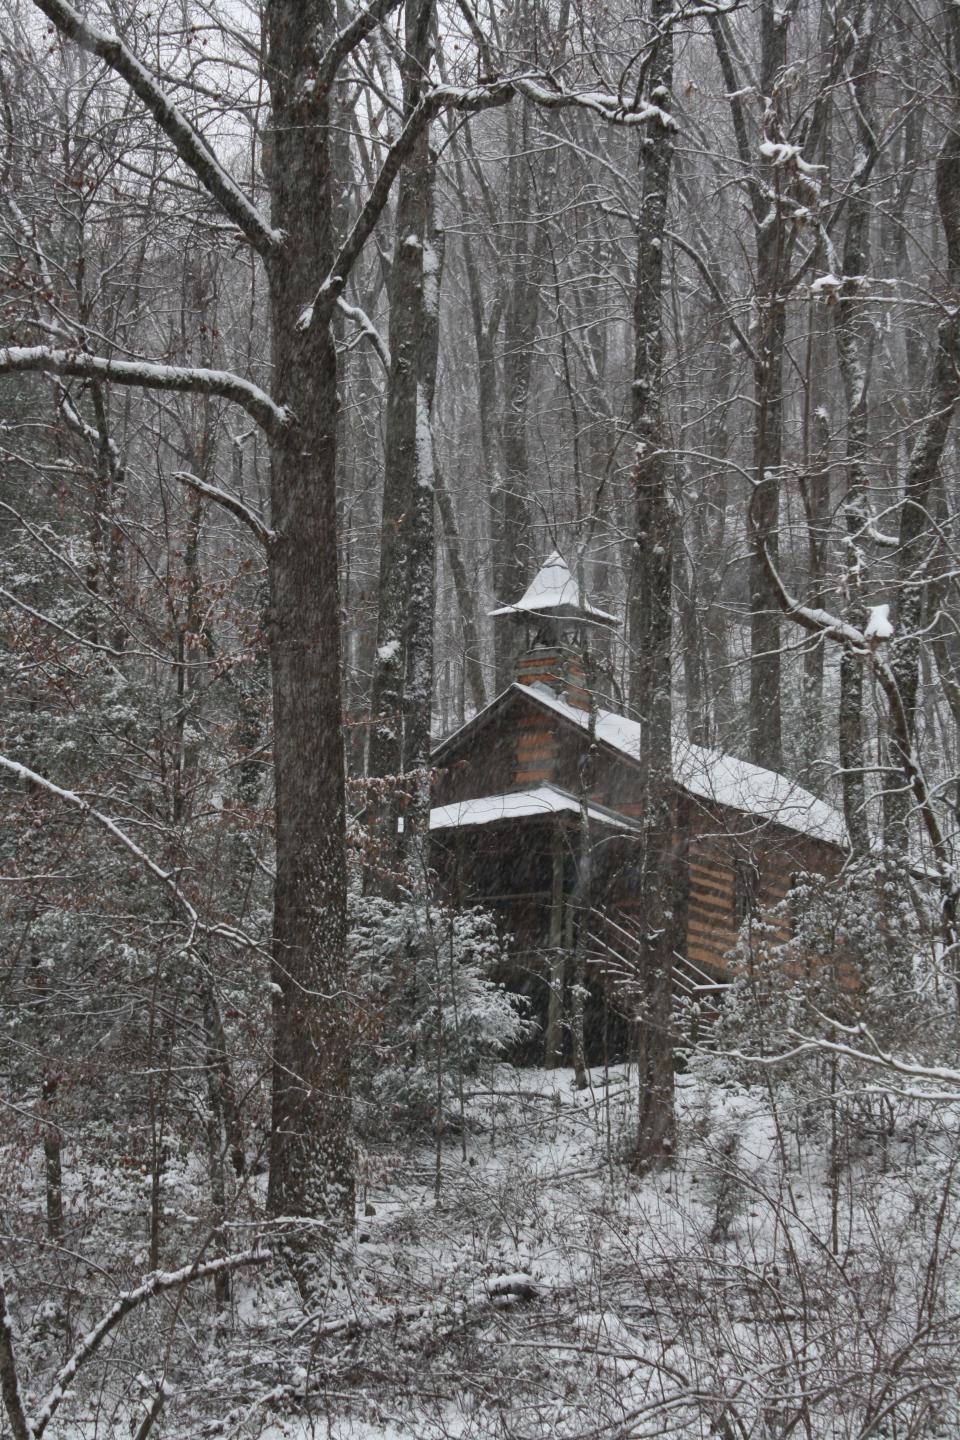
512,547
854,346
816,498
403,665
650,622
766,737
556,978
465,591
917,540
311,1147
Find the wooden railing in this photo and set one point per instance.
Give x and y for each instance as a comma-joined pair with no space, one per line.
616,949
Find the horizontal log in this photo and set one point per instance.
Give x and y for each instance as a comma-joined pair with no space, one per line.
716,939
721,898
707,866
719,902
536,745
704,955
714,924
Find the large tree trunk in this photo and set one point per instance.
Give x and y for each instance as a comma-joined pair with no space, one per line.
311,1148
917,540
770,239
510,513
816,504
650,616
403,666
854,345
465,591
766,737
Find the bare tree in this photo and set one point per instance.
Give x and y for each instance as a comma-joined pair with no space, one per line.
650,617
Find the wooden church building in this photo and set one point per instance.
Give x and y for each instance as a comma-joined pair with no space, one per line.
507,823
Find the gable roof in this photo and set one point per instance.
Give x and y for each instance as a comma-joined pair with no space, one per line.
705,773
553,591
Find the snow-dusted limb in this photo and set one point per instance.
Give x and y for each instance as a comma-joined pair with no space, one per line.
236,507
189,145
366,327
129,1300
165,877
271,417
862,1046
347,40
821,622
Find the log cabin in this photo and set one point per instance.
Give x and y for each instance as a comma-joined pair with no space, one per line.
510,815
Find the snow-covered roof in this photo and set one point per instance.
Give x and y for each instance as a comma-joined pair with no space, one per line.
711,775
517,804
705,773
553,589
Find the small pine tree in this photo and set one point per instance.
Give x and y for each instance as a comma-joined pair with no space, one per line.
428,1013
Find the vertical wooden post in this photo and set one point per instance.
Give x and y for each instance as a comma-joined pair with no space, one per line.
553,1046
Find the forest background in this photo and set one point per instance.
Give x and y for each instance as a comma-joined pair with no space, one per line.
321,328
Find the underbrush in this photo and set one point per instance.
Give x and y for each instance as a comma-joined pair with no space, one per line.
527,1285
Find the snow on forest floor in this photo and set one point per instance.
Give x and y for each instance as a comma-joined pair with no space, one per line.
535,1288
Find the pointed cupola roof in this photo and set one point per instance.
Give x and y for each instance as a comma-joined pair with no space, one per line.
553,591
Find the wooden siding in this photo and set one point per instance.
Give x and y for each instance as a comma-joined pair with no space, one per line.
535,752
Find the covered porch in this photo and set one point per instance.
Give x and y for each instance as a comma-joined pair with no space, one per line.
520,854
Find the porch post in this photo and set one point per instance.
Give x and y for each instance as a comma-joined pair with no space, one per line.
553,1047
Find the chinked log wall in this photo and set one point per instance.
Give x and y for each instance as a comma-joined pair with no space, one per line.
537,752
717,839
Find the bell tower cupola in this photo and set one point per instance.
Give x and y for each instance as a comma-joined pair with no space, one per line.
556,621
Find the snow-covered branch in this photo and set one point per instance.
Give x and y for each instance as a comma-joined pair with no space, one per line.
822,623
347,40
155,1284
867,1052
467,99
189,145
86,432
366,327
64,630
612,108
268,414
166,878
264,534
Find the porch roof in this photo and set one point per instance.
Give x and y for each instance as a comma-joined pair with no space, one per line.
540,802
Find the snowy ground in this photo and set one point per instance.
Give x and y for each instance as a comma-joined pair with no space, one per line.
535,1288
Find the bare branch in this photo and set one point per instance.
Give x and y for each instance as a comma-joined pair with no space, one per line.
264,534
442,97
159,1281
707,271
188,143
165,877
271,417
153,1413
367,328
62,629
348,39
541,90
821,622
